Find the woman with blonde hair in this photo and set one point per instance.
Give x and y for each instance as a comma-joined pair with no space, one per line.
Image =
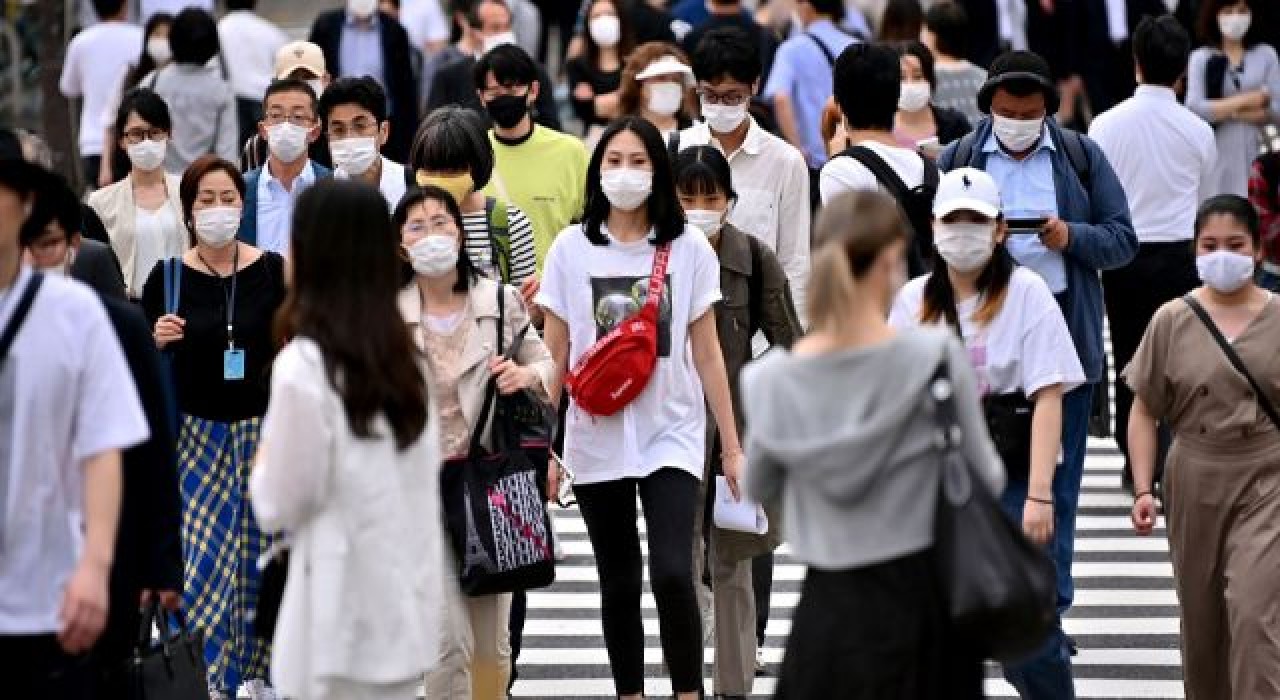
871,622
657,84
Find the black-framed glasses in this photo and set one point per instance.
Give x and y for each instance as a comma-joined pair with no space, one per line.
731,99
297,119
359,127
139,134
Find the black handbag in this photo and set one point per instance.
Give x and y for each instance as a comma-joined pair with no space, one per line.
495,504
1009,422
174,668
1000,588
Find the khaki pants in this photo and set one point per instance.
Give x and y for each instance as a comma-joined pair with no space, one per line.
1224,539
734,605
474,660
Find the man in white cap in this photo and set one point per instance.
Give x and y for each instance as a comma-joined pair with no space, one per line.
298,60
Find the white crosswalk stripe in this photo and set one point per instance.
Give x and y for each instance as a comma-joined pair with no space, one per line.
1125,618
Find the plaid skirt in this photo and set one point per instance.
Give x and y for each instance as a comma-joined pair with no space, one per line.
221,543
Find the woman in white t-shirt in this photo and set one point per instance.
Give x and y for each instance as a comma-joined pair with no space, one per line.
597,276
1023,357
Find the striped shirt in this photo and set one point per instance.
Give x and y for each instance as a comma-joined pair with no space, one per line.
523,258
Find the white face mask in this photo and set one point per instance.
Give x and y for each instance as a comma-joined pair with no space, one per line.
914,96
1017,135
626,188
354,156
147,155
434,256
1235,26
363,9
493,42
705,220
288,142
1225,271
159,50
724,118
665,98
217,226
965,246
606,30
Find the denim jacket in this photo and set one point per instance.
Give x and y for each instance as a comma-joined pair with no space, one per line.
1101,237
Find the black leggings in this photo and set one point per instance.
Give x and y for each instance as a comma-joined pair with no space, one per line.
670,497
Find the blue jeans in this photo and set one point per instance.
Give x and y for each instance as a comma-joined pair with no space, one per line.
1045,674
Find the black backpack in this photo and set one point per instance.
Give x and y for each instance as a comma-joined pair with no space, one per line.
916,203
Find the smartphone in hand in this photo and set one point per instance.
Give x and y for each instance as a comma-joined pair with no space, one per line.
1025,226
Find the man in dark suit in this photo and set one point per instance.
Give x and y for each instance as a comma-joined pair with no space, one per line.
378,46
148,553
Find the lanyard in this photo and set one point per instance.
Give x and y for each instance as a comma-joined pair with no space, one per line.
231,297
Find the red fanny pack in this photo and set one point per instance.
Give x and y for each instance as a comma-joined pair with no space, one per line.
613,372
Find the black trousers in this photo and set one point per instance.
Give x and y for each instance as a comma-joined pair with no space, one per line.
669,497
1161,272
36,667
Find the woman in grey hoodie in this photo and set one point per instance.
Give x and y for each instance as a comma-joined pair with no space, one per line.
841,431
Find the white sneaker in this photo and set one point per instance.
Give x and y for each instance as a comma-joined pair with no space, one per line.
259,690
760,667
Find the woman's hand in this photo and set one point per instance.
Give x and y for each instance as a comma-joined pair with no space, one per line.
1144,514
169,329
732,463
1037,521
510,376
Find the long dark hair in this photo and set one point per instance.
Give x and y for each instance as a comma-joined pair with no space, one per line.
145,63
663,206
992,284
467,270
343,297
626,37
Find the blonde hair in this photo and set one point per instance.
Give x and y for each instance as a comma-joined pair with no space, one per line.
851,232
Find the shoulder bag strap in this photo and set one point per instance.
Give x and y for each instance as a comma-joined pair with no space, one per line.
657,279
826,52
499,225
1264,401
673,146
172,285
19,314
1078,157
755,285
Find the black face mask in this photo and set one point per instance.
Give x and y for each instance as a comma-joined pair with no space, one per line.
507,110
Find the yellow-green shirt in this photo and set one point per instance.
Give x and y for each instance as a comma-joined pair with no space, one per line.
545,176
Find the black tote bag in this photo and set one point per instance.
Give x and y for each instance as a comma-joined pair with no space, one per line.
1000,588
174,668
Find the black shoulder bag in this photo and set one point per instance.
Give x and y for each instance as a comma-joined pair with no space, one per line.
172,670
19,315
1000,589
1233,357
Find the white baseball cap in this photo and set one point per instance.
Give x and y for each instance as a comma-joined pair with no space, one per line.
667,65
967,189
299,55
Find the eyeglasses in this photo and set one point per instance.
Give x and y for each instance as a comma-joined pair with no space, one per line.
297,119
360,127
435,227
139,134
731,99
497,91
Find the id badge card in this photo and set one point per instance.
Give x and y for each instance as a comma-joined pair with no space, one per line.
233,365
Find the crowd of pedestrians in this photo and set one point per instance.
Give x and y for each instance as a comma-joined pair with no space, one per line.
337,321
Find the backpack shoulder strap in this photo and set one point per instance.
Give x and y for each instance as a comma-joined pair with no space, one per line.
932,176
883,173
673,145
19,314
1078,157
826,52
499,236
964,150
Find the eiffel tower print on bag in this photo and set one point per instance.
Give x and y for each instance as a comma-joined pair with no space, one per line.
493,501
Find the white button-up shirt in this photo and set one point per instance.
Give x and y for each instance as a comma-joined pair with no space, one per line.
249,45
1164,155
391,184
275,207
771,178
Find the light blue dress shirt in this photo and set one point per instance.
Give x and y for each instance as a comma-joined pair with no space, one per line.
802,73
275,208
1027,191
361,50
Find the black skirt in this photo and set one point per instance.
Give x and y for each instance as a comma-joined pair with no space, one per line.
877,633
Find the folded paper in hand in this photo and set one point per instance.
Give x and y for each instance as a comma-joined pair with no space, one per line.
743,515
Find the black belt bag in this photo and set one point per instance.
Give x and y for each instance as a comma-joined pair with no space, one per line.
1009,422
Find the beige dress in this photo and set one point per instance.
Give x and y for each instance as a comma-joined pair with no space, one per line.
1222,497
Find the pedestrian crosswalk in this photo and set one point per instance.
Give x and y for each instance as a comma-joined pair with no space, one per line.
1125,619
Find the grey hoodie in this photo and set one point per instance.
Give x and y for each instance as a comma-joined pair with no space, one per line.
846,440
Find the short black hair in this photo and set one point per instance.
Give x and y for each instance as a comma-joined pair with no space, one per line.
921,53
510,65
868,82
292,85
901,20
727,52
1236,207
832,8
703,170
55,202
363,92
233,5
146,104
468,273
194,37
107,8
1161,48
453,139
663,206
949,24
